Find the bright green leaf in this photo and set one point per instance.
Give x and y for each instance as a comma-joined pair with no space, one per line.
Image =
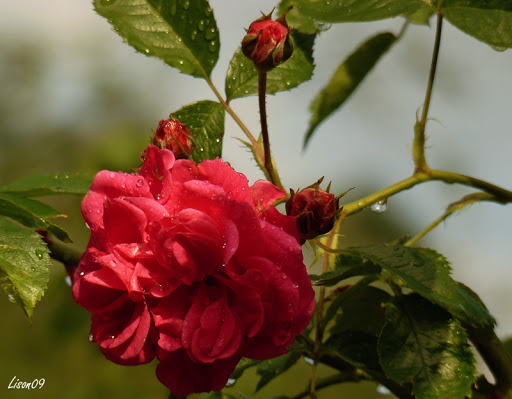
270,369
242,77
346,79
31,213
422,344
428,273
489,21
205,120
181,33
295,20
356,10
24,265
57,184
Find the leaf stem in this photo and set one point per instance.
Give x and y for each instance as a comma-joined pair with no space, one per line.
418,147
452,208
319,332
257,148
496,356
500,194
262,92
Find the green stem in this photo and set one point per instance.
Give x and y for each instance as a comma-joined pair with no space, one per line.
500,194
496,356
259,156
269,166
418,148
457,206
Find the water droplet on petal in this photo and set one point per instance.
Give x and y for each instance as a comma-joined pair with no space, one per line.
139,183
379,206
220,342
112,175
82,273
112,263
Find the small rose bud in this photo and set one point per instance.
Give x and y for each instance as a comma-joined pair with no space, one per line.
173,135
314,209
268,43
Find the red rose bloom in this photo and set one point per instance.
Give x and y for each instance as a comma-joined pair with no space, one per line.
189,264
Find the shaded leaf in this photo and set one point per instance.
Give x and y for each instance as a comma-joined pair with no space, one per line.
57,184
428,273
270,369
357,10
205,120
488,21
242,77
334,277
243,365
508,344
31,213
24,265
352,303
181,33
423,344
347,78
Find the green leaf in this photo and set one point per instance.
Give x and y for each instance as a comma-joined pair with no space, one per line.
428,273
360,299
57,184
422,344
295,20
31,213
270,369
24,265
205,120
357,10
508,344
243,365
334,277
421,16
181,33
346,79
242,77
489,21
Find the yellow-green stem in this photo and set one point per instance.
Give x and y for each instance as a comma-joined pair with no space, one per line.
418,147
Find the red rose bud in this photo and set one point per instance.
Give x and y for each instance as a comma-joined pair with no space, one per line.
268,43
314,210
173,135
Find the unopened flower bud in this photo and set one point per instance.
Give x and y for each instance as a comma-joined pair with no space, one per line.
173,135
314,209
268,43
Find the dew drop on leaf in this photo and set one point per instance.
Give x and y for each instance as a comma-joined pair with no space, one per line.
39,254
193,35
68,280
309,361
383,390
186,5
91,337
11,298
231,381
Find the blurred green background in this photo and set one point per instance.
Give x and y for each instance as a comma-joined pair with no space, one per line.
74,98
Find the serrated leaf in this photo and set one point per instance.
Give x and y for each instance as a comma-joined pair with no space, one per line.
296,20
347,77
422,344
270,369
24,265
31,213
43,185
205,120
181,33
428,273
357,10
242,77
488,21
334,277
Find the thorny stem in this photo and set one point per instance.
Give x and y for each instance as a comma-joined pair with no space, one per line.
452,208
500,194
262,91
418,148
319,331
